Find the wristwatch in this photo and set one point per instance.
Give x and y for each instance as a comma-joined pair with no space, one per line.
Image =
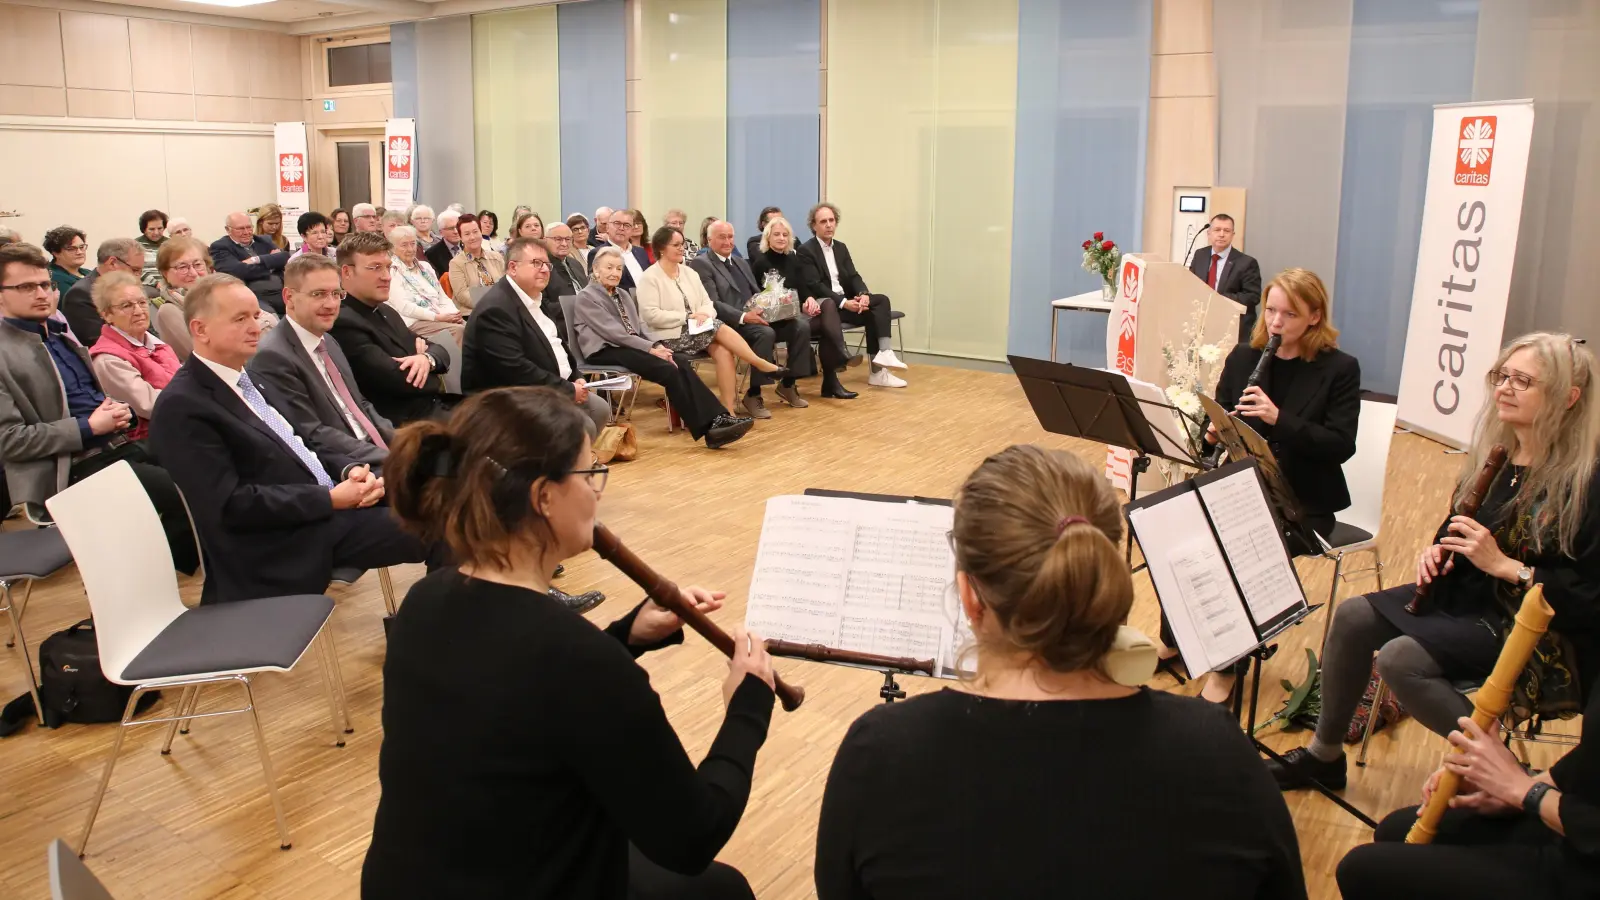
1535,796
1524,578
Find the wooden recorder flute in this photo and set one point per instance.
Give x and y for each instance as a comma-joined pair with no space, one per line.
1533,618
668,596
820,653
1470,504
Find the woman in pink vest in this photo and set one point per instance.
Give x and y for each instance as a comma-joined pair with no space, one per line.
131,363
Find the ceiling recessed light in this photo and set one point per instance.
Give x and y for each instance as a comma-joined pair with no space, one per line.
228,3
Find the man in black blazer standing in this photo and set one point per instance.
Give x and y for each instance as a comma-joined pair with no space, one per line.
731,284
1230,272
253,259
838,279
274,517
398,371
311,381
510,342
634,259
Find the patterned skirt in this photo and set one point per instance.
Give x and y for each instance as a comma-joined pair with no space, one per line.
691,344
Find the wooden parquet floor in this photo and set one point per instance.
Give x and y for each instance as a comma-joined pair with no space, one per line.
197,824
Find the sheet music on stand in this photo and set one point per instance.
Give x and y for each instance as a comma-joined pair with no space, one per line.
851,573
1220,566
1242,443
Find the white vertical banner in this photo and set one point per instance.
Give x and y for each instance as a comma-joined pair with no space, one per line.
1122,333
1477,167
399,164
289,140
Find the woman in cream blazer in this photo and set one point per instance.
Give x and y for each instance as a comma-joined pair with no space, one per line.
670,293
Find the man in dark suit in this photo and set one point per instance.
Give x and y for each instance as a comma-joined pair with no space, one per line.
398,371
567,276
634,259
448,244
1230,272
753,245
598,232
311,381
730,283
275,517
253,259
837,278
77,304
510,342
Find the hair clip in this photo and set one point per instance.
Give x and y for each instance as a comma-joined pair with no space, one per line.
1065,521
435,458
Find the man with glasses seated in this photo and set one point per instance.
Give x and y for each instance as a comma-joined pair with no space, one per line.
57,426
567,276
77,304
253,259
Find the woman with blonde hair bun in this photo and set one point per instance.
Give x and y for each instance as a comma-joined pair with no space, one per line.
1050,772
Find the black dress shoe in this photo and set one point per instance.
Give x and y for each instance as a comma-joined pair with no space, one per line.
836,391
725,430
560,571
1299,769
580,603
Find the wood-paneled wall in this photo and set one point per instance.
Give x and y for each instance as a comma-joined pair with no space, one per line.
1182,145
88,65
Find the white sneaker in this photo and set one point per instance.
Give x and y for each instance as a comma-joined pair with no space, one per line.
887,359
885,378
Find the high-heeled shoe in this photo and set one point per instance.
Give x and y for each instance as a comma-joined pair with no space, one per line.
777,374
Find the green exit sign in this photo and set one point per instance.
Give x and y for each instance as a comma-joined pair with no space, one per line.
327,106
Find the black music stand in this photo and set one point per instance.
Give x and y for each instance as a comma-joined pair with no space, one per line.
1243,442
1098,405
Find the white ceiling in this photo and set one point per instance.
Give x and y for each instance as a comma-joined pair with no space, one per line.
294,16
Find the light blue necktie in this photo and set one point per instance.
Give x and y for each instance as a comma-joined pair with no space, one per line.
280,427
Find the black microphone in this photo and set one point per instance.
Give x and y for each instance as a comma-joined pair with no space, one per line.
1254,380
1189,253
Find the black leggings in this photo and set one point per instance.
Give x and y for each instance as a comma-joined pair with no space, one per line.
695,403
1471,857
648,881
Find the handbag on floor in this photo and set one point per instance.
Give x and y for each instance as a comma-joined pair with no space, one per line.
1389,712
616,443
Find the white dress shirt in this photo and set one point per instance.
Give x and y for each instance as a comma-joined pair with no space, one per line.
631,263
546,325
311,342
230,377
833,267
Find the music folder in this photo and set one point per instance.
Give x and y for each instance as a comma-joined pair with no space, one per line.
1219,563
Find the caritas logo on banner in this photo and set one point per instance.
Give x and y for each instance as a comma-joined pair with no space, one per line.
1121,342
399,156
400,163
1475,154
291,173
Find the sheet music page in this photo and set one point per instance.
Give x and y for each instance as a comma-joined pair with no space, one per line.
1244,521
1205,610
858,575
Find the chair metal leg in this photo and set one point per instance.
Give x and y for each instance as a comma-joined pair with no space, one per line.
900,338
184,700
327,689
337,674
266,764
188,714
1333,598
386,586
1372,721
1377,566
14,614
105,777
20,608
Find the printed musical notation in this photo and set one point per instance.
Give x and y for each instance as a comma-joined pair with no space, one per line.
858,575
1249,535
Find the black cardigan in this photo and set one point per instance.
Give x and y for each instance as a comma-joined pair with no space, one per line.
524,749
1319,403
797,272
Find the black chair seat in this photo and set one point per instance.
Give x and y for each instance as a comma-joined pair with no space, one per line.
32,553
347,574
245,634
1344,535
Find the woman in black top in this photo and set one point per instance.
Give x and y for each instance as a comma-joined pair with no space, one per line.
524,751
1503,837
776,253
1041,776
1539,524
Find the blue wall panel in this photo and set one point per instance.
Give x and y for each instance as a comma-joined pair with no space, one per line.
774,129
594,107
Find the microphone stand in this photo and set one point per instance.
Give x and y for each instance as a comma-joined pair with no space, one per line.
1188,255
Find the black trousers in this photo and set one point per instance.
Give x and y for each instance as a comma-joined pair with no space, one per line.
829,331
876,319
164,497
695,403
763,339
1471,857
648,881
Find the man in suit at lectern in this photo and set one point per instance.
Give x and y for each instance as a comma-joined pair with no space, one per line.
1230,272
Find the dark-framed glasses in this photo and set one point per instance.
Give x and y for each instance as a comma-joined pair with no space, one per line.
1519,381
596,473
30,287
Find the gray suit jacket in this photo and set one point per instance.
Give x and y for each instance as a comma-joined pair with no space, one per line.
305,400
728,292
597,324
37,436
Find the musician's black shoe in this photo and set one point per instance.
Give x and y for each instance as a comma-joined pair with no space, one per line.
725,430
1299,768
580,603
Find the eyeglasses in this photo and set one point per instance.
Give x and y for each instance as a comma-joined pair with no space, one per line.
324,294
535,264
1519,381
76,248
30,287
190,268
373,269
126,306
596,473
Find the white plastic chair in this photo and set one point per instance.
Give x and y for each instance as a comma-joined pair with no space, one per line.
1355,530
70,879
149,640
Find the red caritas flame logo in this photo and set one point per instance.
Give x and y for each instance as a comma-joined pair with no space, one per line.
291,173
1475,150
399,156
1128,327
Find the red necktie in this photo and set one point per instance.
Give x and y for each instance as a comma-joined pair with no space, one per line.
1211,275
350,403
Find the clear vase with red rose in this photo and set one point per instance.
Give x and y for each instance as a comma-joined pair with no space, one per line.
1104,258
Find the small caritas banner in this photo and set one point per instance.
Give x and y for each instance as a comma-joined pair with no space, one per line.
400,164
289,144
1122,330
1477,168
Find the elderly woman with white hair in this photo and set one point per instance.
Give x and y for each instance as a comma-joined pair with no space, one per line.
415,292
130,362
420,218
